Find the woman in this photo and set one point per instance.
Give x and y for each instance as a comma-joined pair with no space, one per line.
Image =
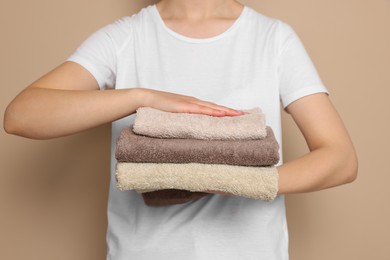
196,56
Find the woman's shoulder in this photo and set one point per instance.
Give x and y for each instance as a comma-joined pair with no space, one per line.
263,21
143,17
273,27
122,29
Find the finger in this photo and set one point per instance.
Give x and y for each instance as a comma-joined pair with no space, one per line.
209,111
228,111
194,108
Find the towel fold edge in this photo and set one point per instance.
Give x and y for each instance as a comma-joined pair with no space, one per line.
250,182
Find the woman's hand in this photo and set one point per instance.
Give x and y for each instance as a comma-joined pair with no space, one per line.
171,102
67,100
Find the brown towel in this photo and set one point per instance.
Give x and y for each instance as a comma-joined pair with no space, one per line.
143,149
246,181
196,129
160,198
161,124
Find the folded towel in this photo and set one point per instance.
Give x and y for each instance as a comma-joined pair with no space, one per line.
161,124
136,148
246,181
160,198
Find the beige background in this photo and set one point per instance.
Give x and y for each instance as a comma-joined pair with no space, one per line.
50,208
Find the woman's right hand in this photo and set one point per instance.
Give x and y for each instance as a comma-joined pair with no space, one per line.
67,100
177,103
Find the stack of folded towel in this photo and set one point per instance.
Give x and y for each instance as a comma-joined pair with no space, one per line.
173,158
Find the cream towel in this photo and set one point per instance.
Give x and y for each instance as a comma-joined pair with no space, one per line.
250,182
161,124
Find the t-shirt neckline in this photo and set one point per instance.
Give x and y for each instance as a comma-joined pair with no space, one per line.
198,40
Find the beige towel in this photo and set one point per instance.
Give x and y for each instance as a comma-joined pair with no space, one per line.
246,181
161,124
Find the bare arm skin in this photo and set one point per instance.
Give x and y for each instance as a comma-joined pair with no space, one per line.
332,159
67,100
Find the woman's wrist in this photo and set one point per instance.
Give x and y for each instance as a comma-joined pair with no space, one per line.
142,97
139,97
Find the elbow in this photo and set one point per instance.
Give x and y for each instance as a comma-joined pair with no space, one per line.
16,123
351,168
8,128
353,174
12,122
18,120
8,124
344,169
350,176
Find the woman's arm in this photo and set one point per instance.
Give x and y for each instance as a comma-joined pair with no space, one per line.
67,100
332,159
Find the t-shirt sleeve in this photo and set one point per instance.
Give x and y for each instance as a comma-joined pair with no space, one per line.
98,54
297,74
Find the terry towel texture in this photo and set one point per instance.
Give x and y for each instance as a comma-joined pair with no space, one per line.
168,197
250,182
175,158
143,149
161,124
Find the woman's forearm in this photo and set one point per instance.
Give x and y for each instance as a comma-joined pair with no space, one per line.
42,113
320,169
66,100
332,159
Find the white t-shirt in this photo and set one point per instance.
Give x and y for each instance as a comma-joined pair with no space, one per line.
258,62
